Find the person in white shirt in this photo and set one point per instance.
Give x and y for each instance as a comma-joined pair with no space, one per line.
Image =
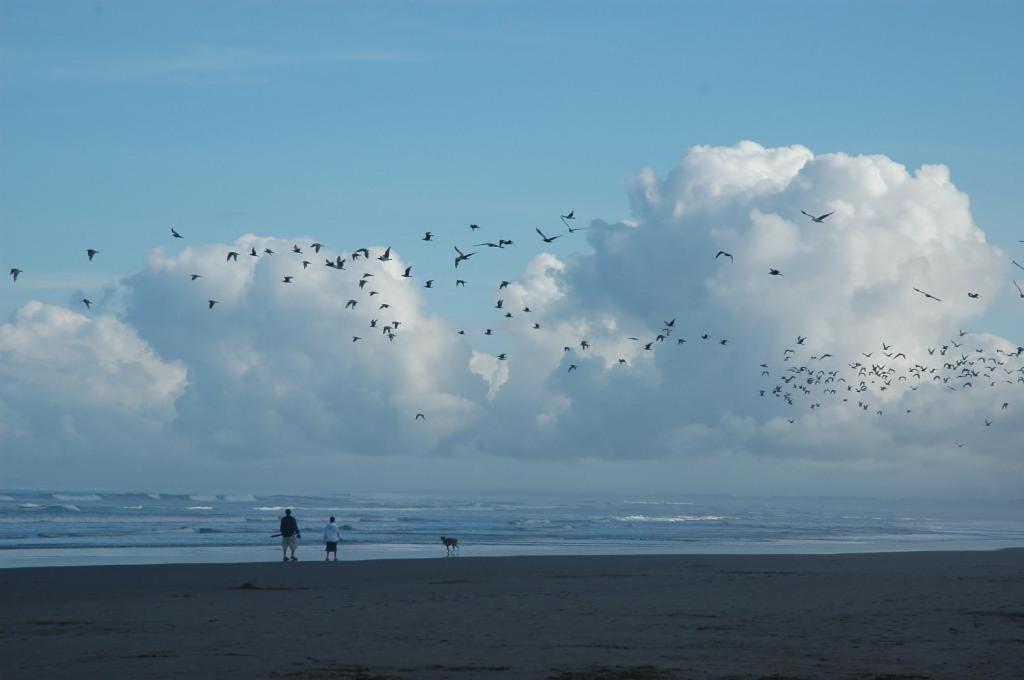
332,536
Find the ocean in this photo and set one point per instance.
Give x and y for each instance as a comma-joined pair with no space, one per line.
84,528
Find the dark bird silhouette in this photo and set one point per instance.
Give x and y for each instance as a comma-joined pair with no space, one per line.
408,273
974,296
15,273
572,367
384,305
356,338
316,247
232,256
175,234
305,264
92,253
195,276
502,357
429,236
474,227
461,257
489,244
268,251
800,339
988,423
927,295
819,219
420,416
571,215
365,252
87,302
775,272
460,283
253,253
1019,290
296,249
351,304
547,239
722,253
429,283
1019,265
211,303
503,285
287,279
386,256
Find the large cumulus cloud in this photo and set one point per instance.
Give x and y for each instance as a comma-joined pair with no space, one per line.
271,376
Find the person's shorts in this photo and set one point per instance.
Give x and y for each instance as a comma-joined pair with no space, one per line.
332,546
290,542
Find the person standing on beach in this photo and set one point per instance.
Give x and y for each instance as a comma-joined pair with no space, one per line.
290,535
332,536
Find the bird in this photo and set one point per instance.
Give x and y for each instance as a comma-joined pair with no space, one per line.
462,257
384,305
386,256
429,236
988,423
87,302
408,273
420,416
195,276
775,272
1019,265
316,247
356,338
429,283
572,367
253,253
268,251
721,253
800,339
365,252
573,230
502,357
503,285
571,215
91,252
1019,290
15,273
474,227
460,283
287,279
306,263
819,219
351,304
489,244
927,295
296,249
232,255
211,303
974,296
546,239
175,234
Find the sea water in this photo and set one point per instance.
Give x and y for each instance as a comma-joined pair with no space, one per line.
50,528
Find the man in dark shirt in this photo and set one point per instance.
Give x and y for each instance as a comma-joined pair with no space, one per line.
290,535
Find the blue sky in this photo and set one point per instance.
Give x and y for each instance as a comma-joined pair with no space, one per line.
354,120
370,123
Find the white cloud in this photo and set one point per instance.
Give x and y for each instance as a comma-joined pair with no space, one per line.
271,376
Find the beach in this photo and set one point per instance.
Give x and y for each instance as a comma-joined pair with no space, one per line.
881,615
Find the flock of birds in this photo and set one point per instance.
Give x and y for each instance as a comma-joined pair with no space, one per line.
802,381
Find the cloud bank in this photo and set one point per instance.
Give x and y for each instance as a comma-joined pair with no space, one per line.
879,397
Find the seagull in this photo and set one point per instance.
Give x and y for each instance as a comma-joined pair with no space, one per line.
356,338
365,252
386,256
720,253
92,253
460,282
502,357
306,263
316,247
429,283
175,234
195,276
268,251
384,305
287,279
461,256
474,227
775,272
570,216
974,296
253,253
408,273
573,230
547,239
420,416
211,303
351,304
503,285
296,249
232,256
800,339
572,367
87,302
429,236
927,295
15,272
819,219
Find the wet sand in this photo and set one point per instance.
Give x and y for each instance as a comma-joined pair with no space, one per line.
890,615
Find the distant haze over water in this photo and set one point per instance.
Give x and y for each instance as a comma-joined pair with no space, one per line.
65,528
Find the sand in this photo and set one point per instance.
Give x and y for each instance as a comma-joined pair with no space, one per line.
893,615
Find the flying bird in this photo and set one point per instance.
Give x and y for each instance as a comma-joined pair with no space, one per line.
92,253
570,216
386,256
253,253
460,283
351,304
775,272
316,247
722,253
474,227
1019,265
974,296
175,234
232,256
287,279
927,295
546,239
429,236
429,283
1019,290
210,303
462,257
15,273
296,249
87,302
356,338
408,273
195,276
819,219
420,416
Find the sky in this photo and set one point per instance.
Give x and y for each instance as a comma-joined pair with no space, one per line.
673,130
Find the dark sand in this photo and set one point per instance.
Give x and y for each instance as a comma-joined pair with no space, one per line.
910,615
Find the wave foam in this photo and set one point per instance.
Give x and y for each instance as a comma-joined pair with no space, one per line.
91,497
677,518
200,507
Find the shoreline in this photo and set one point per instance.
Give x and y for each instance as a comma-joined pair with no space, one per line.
934,614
